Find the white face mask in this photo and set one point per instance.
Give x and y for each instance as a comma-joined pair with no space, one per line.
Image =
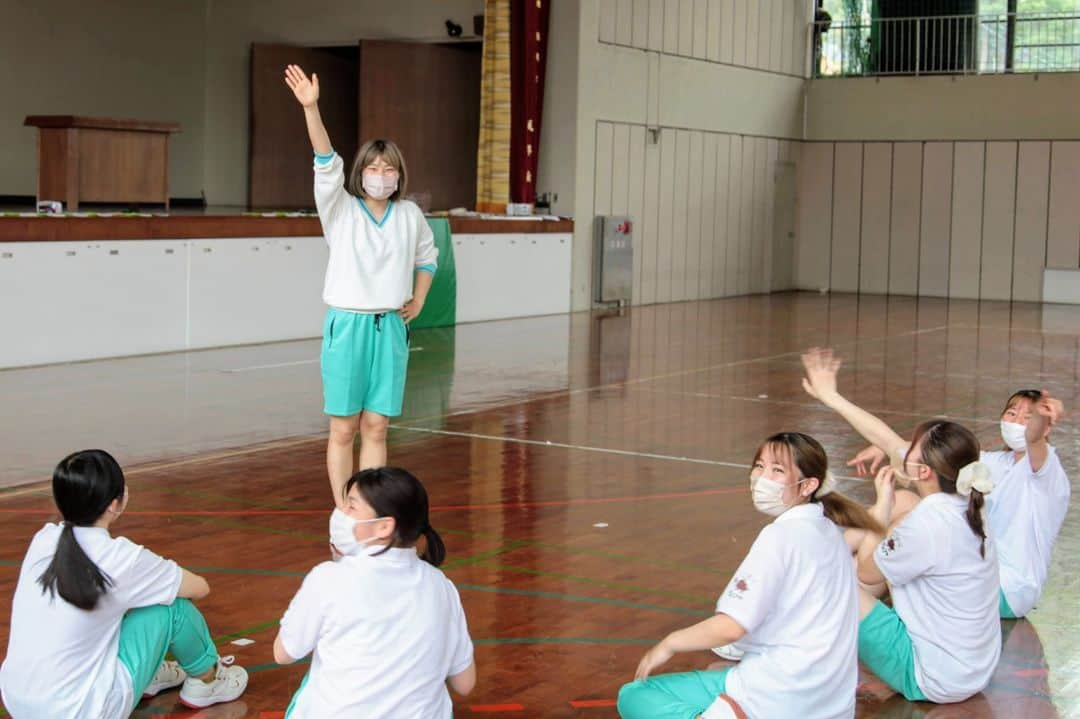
343,534
379,187
1015,435
768,495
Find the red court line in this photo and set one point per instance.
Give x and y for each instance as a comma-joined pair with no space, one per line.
497,708
443,508
587,703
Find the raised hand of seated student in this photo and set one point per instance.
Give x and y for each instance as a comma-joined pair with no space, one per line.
867,461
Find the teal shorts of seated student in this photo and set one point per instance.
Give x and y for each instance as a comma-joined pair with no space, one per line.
885,648
1004,610
365,358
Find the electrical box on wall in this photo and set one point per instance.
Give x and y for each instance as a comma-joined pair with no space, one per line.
613,260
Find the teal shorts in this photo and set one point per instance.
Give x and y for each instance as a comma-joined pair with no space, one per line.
885,648
1004,610
364,361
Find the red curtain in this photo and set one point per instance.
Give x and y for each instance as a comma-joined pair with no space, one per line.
528,57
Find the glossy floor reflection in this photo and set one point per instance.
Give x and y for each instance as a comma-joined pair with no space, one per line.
588,474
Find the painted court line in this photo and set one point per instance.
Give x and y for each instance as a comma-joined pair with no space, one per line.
579,447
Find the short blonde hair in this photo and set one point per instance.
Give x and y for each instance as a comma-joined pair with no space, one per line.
368,153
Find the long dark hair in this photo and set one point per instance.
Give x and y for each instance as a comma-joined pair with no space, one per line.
948,447
394,492
84,485
806,454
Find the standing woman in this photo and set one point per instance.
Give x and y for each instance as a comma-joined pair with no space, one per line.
382,262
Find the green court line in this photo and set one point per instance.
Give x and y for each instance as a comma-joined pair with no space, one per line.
234,524
709,600
244,632
580,598
220,498
483,557
499,641
562,640
567,549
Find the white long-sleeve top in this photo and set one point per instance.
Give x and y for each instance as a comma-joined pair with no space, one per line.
372,263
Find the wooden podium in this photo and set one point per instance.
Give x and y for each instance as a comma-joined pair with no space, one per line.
95,159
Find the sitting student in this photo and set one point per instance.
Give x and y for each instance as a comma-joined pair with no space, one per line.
1031,496
941,640
386,630
94,615
792,606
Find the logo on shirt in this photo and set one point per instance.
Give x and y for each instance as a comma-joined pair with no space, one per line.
738,588
889,546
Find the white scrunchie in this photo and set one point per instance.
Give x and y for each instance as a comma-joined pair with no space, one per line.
828,485
974,476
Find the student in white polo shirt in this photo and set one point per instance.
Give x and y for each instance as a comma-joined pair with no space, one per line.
1031,496
941,640
1030,499
385,627
792,606
94,615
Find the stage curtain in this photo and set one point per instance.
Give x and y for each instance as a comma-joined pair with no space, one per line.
493,155
528,47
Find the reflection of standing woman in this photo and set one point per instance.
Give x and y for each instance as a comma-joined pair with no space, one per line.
382,261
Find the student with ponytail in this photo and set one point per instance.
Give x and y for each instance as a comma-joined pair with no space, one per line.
383,620
94,615
791,605
941,640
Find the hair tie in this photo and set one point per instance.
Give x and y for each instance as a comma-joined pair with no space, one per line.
974,476
828,485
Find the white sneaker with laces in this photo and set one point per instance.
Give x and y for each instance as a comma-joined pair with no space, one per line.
168,676
228,684
730,652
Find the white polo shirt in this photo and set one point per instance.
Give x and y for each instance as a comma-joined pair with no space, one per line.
385,632
946,595
795,595
1025,512
63,661
372,263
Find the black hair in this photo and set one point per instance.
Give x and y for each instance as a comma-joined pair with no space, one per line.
394,492
84,485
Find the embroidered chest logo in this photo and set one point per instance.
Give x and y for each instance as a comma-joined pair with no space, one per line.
889,546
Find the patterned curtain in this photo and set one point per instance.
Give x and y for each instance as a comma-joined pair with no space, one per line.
493,155
529,21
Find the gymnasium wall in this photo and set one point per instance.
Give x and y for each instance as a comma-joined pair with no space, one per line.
720,83
232,25
124,58
940,187
186,62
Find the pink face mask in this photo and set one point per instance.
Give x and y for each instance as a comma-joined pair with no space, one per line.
379,187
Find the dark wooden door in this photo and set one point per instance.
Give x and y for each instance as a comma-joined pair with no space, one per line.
426,98
280,153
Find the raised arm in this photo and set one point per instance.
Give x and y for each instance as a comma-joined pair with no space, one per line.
1044,415
307,94
820,383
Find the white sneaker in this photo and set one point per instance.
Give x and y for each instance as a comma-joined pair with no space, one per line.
228,684
169,675
730,652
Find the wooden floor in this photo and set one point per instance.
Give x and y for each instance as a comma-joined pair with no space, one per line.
586,521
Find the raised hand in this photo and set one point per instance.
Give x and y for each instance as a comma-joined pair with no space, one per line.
886,492
1050,407
306,91
821,369
874,455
